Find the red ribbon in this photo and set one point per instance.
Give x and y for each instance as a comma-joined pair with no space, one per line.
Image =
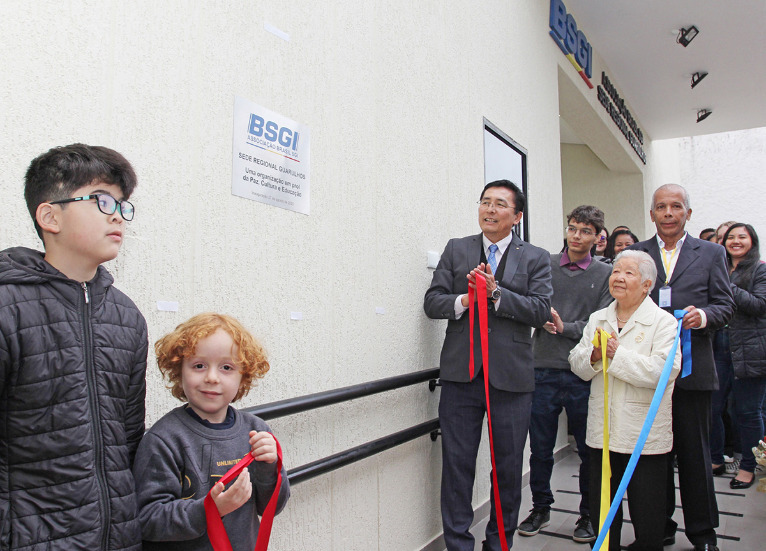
480,297
215,528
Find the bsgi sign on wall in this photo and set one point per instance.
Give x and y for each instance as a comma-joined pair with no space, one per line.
271,158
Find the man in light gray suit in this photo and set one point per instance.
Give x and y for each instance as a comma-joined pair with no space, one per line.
519,287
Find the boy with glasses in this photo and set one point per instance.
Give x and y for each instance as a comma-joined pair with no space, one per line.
72,362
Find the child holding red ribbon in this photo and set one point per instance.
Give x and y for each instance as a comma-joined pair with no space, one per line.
210,361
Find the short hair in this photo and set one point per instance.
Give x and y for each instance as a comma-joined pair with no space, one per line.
709,231
519,200
588,214
752,258
646,266
182,343
687,201
60,171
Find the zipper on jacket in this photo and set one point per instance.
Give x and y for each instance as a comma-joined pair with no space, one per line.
90,372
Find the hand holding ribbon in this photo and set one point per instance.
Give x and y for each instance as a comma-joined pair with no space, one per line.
603,536
686,344
216,531
480,297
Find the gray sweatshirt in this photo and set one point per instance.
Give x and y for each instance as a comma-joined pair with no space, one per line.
177,463
576,295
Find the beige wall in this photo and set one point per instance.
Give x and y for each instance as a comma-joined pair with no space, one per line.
586,180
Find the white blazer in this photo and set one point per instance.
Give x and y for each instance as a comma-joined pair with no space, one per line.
634,372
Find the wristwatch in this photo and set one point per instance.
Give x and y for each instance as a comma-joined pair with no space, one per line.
496,293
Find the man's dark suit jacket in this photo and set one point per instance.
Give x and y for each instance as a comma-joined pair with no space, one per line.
700,279
524,303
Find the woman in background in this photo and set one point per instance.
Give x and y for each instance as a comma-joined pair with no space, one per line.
620,240
720,230
747,341
600,246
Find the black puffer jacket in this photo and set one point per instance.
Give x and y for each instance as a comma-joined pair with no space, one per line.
72,386
747,329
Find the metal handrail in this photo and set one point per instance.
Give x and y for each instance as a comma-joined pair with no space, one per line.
308,402
341,459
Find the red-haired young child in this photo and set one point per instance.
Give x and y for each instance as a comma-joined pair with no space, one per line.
209,361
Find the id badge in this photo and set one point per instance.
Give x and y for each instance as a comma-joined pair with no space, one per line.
664,297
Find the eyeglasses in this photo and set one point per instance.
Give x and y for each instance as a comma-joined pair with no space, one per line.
585,232
501,205
106,204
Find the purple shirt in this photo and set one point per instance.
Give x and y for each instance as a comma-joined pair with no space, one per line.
581,265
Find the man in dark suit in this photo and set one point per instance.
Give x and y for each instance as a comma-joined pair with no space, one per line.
519,286
691,275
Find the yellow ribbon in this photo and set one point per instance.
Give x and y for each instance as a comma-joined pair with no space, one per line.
599,340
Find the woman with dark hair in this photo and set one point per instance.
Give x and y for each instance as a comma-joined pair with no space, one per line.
747,340
619,241
600,246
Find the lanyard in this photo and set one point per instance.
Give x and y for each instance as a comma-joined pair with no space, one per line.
600,340
216,531
668,263
481,298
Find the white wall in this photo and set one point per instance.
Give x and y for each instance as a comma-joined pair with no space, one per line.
394,93
724,174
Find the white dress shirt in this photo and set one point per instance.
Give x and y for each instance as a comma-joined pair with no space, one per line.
671,266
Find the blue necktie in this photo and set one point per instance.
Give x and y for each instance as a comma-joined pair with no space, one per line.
492,260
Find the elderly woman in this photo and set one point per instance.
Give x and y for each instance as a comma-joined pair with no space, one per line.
642,337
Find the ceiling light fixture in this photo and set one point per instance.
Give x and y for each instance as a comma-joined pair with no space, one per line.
702,114
696,77
687,35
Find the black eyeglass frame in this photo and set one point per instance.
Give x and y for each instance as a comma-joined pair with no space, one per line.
117,204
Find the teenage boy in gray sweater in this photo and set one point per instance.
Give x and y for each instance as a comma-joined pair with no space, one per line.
580,287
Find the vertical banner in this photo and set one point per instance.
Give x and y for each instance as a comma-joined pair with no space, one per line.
271,158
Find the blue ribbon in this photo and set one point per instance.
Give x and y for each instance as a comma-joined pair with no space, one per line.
686,345
648,422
